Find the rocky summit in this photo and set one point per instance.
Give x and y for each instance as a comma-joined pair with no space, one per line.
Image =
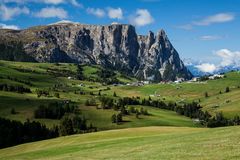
117,46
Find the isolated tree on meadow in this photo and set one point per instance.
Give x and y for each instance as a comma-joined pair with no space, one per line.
80,75
66,126
119,118
13,111
227,90
206,94
113,118
57,95
149,98
123,110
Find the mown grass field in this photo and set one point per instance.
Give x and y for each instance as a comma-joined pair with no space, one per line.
135,143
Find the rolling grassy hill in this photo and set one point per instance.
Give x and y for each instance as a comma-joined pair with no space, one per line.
182,139
157,117
135,143
45,76
228,103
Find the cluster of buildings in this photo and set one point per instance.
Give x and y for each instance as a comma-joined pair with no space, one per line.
138,83
216,76
210,77
177,81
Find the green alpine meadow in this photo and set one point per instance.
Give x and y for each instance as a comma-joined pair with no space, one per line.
119,80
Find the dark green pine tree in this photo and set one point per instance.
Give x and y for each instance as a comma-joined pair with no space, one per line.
113,118
66,126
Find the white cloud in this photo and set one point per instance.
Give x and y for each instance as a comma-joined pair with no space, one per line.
206,67
115,13
217,18
97,12
54,2
51,12
142,18
75,3
4,26
7,13
228,57
210,37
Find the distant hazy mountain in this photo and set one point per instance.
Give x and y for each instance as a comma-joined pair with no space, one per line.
116,46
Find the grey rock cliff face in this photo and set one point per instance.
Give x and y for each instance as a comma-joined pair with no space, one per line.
158,58
116,46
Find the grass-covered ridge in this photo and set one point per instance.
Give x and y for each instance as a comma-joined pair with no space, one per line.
217,101
173,136
136,143
45,76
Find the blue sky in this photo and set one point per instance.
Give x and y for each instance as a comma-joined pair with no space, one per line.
206,30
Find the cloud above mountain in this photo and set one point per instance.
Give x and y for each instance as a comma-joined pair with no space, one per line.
5,26
115,13
7,13
142,17
112,13
52,12
96,12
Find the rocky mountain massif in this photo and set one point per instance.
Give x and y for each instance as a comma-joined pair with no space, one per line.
116,46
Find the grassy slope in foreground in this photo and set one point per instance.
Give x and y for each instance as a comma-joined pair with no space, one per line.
136,143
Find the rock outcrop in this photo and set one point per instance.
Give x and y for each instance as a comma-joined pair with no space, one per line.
116,46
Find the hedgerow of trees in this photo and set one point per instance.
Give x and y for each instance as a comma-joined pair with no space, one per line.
20,80
40,93
104,76
12,88
73,123
80,75
14,132
117,118
54,110
90,102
